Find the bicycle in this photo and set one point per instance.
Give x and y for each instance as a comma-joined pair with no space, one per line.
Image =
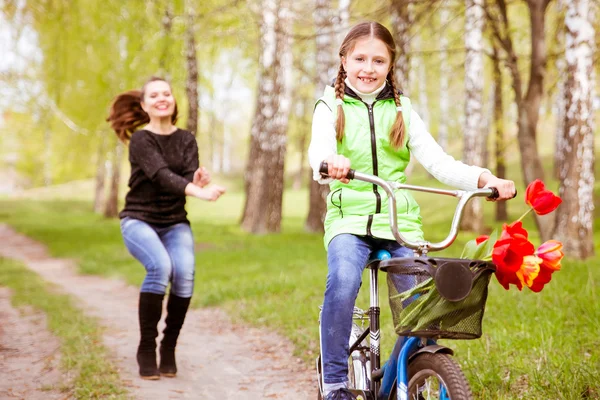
418,367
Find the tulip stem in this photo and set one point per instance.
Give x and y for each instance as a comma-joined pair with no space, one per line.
523,216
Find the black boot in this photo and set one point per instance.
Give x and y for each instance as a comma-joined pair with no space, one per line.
150,309
176,309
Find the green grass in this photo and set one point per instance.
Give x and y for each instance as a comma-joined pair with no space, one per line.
535,346
82,354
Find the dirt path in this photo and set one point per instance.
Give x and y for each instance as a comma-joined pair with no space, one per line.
29,354
216,360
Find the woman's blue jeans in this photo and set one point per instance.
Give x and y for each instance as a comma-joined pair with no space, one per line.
167,253
347,256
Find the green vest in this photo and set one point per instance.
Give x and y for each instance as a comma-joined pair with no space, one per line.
358,207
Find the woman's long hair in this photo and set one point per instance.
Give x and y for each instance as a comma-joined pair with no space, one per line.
126,114
378,31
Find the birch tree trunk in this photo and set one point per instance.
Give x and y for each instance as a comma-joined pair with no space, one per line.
560,103
343,19
575,216
419,84
473,145
100,174
401,21
112,204
167,25
264,171
213,140
442,138
47,155
191,85
325,63
498,117
226,160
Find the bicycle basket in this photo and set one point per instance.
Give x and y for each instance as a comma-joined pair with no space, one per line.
437,297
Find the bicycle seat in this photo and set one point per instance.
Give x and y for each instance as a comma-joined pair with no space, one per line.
376,257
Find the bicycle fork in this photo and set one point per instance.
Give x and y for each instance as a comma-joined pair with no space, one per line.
374,326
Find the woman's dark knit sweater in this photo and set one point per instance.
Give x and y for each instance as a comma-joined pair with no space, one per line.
161,168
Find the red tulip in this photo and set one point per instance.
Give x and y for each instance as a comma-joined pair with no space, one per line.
541,200
529,270
505,279
481,239
542,279
551,254
510,249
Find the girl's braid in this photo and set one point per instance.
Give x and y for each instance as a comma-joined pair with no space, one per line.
340,87
397,132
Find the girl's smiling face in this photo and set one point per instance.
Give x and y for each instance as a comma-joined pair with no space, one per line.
367,64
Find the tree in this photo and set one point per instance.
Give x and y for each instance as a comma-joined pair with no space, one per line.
325,63
575,216
401,22
166,32
264,170
100,174
473,128
191,84
527,101
498,118
111,209
442,138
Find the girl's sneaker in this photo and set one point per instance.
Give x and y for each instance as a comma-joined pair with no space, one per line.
340,394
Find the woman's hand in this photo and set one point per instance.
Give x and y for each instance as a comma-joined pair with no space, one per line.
338,167
210,193
506,188
201,177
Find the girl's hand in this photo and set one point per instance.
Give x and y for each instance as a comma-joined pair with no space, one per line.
506,188
210,193
338,167
201,177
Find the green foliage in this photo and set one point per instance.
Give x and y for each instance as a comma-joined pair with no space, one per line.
85,58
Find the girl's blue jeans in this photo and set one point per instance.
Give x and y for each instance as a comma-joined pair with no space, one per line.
167,253
347,256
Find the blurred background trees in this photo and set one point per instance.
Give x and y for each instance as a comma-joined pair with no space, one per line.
485,75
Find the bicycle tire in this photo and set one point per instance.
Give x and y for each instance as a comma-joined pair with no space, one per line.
444,369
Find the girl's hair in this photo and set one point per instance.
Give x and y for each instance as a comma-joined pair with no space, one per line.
126,113
378,31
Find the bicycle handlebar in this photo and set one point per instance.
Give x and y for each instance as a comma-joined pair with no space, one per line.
389,187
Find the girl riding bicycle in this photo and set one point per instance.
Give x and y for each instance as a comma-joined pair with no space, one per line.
364,120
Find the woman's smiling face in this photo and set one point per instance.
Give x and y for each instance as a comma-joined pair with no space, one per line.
367,64
158,100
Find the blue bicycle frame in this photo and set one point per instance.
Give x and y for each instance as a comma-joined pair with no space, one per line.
395,370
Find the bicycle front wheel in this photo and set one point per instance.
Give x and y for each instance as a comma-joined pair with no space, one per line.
437,376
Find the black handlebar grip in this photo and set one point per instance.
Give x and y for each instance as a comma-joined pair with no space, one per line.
494,194
324,170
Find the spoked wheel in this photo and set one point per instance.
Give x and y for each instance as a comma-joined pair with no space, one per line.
436,376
